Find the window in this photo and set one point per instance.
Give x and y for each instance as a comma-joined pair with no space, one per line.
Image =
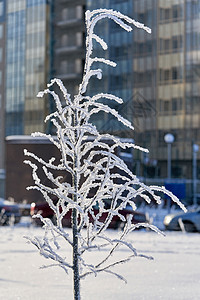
141,18
70,66
166,105
167,14
166,44
69,13
64,40
71,39
164,14
149,46
174,104
166,75
174,73
177,42
175,12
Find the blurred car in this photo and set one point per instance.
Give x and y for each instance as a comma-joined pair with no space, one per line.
24,209
46,212
9,210
190,221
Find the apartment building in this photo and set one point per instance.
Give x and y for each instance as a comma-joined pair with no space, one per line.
164,80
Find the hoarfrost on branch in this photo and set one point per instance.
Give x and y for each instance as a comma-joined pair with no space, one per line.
93,174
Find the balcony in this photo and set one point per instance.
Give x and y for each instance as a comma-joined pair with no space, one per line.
71,50
69,76
71,23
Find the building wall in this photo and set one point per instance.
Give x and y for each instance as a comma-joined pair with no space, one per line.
69,43
26,50
118,80
36,64
18,174
164,80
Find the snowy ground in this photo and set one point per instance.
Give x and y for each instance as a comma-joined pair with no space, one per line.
173,274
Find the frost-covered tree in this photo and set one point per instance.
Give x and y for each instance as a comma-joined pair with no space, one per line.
92,174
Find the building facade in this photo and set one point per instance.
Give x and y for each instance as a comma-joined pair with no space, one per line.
157,74
68,42
26,65
164,80
118,80
24,69
175,48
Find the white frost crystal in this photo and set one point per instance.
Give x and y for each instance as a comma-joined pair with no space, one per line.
96,174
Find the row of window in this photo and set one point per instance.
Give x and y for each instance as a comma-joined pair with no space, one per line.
174,13
144,78
14,122
147,17
168,45
144,48
71,39
175,105
120,82
70,66
174,44
175,73
180,135
71,13
120,52
171,14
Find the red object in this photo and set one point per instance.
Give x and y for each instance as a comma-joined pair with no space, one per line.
46,212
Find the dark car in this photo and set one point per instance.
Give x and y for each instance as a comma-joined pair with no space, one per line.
189,221
9,212
46,212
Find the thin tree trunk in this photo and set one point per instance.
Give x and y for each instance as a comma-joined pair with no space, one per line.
75,257
76,277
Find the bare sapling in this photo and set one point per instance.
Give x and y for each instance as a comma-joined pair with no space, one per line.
90,182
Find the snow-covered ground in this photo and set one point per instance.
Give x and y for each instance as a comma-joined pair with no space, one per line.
173,274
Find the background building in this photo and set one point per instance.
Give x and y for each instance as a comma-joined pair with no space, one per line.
24,68
68,49
163,79
26,65
118,80
174,48
157,75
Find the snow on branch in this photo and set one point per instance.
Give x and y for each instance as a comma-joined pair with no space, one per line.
89,185
91,19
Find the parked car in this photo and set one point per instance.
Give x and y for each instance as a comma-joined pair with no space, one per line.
190,221
46,212
9,210
25,209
